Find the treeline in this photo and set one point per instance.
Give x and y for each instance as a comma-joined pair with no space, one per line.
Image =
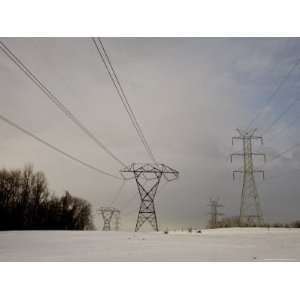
27,204
235,222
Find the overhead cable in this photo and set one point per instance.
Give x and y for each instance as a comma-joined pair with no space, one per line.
55,100
11,123
116,82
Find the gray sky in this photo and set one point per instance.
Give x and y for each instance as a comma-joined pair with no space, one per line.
188,94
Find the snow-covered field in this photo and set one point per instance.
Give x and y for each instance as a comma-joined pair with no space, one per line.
234,244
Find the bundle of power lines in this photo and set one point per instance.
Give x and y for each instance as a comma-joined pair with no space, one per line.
71,116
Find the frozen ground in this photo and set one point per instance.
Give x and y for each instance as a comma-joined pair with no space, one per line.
235,244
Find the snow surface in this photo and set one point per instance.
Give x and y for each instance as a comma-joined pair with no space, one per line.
234,244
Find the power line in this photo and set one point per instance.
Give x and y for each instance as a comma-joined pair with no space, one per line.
267,180
127,105
284,152
296,100
266,131
290,124
56,149
55,100
270,180
275,92
115,80
276,157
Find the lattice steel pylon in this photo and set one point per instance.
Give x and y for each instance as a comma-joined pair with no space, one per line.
214,213
107,214
250,210
148,177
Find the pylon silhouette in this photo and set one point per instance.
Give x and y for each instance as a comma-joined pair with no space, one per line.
148,177
250,209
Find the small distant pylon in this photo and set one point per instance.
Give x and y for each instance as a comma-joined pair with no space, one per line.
250,210
214,213
107,214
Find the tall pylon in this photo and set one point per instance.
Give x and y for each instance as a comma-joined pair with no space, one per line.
107,215
148,177
250,210
214,213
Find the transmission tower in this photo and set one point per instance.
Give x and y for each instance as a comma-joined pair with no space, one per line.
147,177
214,213
250,210
107,214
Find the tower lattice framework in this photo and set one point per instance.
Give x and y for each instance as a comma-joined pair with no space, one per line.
214,212
148,177
250,209
107,214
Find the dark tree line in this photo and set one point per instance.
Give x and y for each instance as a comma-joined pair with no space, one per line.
26,203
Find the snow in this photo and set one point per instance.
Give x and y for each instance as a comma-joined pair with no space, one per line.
233,244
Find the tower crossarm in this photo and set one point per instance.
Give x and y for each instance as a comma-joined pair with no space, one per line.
245,154
149,171
254,171
215,204
247,135
247,138
235,138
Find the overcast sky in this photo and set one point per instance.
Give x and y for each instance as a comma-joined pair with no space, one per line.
189,95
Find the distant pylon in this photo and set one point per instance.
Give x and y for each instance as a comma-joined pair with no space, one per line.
250,210
214,213
107,215
147,177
